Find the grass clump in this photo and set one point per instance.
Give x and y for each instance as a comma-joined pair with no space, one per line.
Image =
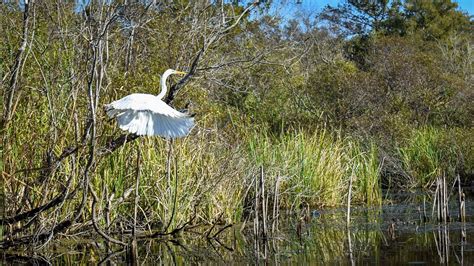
428,153
317,166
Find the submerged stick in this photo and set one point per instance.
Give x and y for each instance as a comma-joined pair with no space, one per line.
132,259
445,214
446,243
460,201
440,200
349,243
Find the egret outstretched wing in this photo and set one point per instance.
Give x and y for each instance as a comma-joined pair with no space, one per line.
146,114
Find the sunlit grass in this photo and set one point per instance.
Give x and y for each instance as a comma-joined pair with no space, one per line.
429,153
316,167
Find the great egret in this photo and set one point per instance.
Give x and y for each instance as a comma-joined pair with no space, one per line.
146,114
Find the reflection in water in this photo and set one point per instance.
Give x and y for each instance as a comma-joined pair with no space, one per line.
392,234
110,256
349,244
442,243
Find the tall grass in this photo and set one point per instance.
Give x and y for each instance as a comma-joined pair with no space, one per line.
429,153
213,176
205,178
317,167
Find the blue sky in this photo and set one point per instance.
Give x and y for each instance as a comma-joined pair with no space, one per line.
464,5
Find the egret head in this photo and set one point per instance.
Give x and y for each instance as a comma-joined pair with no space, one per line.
173,72
176,72
163,81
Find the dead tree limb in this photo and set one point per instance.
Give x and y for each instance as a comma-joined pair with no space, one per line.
31,213
176,87
19,58
212,40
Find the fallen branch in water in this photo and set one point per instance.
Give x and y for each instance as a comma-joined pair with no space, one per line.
94,221
173,232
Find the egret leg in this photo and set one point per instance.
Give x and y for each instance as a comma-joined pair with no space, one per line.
168,163
136,191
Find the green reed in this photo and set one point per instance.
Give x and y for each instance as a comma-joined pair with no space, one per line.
316,167
429,153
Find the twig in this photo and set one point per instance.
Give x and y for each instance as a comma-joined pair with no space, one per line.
435,201
276,204
18,62
256,210
263,202
349,197
175,231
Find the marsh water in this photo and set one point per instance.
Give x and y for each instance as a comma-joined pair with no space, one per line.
393,234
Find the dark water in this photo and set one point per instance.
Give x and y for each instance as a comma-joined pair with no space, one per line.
390,235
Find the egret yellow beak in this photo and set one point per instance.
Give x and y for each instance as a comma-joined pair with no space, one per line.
180,73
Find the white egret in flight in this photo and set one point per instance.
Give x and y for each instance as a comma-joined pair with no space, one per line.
146,114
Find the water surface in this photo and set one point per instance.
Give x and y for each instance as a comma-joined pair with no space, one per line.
389,235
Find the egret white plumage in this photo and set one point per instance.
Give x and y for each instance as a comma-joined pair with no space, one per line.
147,114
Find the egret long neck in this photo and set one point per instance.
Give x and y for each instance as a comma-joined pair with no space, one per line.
164,88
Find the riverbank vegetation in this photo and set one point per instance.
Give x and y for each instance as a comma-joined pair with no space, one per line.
380,94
